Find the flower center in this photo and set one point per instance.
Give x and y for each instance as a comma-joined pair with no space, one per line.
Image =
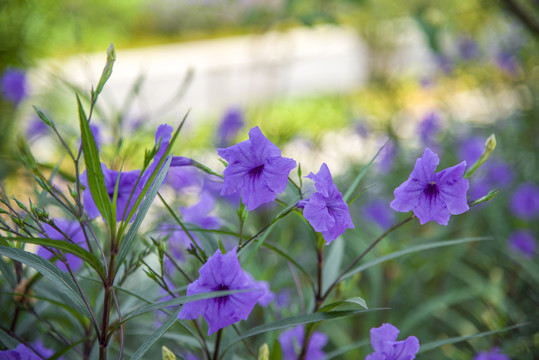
256,171
431,190
222,299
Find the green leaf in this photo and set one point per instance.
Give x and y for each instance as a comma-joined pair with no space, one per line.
276,352
344,349
7,340
297,320
332,263
435,344
43,117
410,250
94,174
156,335
355,300
107,71
361,174
8,273
61,280
63,245
143,210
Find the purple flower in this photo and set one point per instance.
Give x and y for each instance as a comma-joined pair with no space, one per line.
468,48
21,352
268,295
326,210
255,167
386,347
523,243
292,341
387,158
500,172
42,350
73,230
525,201
13,85
379,212
221,272
126,185
183,177
471,149
507,62
493,354
432,196
429,128
163,135
231,123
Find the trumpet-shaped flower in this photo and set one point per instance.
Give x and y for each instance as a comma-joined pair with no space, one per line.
256,168
222,272
326,210
386,347
430,195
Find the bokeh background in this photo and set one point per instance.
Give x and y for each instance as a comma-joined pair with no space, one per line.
328,81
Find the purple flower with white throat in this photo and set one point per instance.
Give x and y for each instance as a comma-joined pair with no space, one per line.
256,168
291,342
13,85
493,354
386,347
326,210
221,272
430,195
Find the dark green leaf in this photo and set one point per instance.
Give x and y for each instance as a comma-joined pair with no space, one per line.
94,174
61,280
7,340
410,250
63,245
156,335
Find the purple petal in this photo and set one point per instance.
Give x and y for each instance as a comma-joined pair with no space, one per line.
453,187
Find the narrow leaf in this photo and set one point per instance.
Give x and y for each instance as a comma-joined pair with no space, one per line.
435,344
410,250
130,236
74,249
7,340
62,282
94,173
156,335
355,300
332,263
361,174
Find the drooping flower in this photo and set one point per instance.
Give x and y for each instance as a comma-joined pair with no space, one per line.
386,347
21,352
124,201
380,213
73,230
523,242
326,210
256,168
525,201
493,354
291,342
13,85
231,123
430,195
221,272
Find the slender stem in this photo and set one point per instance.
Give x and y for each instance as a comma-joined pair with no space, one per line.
362,255
217,343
